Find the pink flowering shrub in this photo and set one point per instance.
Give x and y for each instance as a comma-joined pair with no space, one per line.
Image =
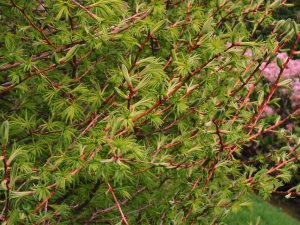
272,70
292,71
295,96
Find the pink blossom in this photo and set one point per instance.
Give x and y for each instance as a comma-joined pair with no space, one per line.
295,96
271,71
282,55
296,86
290,126
248,52
284,91
268,111
291,71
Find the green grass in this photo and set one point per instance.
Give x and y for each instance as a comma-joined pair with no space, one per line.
262,213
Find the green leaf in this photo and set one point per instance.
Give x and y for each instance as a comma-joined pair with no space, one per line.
279,63
295,27
120,93
126,74
19,194
72,51
4,132
157,26
285,83
207,27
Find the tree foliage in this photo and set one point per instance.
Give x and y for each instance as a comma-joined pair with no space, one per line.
138,112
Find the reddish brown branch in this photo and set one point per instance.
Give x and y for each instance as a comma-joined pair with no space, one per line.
117,203
33,24
85,9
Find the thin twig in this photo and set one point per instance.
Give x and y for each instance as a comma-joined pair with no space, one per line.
117,203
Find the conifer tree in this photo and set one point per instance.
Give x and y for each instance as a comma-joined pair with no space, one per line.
140,111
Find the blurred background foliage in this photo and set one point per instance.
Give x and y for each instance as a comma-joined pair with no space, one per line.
289,12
